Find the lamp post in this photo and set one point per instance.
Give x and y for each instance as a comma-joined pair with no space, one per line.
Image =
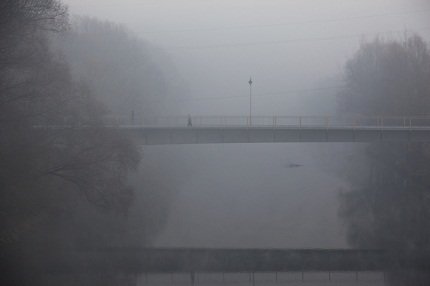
250,99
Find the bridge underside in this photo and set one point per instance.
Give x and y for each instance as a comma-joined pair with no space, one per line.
235,260
208,135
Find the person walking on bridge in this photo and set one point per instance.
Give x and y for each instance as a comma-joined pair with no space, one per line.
189,124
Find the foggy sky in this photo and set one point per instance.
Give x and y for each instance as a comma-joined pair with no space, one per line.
286,46
244,195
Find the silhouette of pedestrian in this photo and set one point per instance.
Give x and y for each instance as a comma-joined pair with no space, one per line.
189,124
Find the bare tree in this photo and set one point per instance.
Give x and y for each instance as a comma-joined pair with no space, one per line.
50,177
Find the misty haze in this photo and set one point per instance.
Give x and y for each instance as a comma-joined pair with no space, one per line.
187,142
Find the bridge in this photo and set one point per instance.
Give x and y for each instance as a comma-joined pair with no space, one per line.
276,129
192,260
249,263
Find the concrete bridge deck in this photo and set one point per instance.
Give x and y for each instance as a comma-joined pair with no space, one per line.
276,129
182,260
255,134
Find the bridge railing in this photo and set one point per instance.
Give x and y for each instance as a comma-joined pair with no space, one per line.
274,121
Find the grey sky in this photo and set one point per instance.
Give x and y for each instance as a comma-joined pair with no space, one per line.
285,45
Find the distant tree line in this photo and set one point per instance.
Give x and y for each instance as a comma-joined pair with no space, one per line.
65,189
388,204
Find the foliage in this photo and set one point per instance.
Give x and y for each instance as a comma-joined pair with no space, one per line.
119,67
388,78
389,207
128,76
63,173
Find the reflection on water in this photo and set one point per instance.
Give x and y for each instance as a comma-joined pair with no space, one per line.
265,279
